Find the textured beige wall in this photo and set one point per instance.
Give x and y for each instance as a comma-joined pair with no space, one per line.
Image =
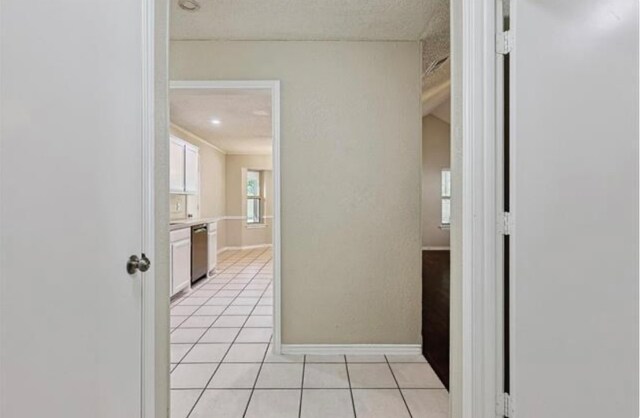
238,234
351,174
436,155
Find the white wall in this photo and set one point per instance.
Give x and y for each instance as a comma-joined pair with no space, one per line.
351,169
436,156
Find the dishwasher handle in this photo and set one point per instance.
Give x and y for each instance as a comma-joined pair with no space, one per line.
200,229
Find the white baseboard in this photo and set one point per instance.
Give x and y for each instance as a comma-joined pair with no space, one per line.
436,248
246,247
326,349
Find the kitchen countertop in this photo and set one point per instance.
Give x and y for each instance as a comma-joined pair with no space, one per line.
188,223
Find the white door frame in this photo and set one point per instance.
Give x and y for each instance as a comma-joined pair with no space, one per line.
475,363
274,87
150,302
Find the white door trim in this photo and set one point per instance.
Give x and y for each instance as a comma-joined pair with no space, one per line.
274,87
474,395
149,312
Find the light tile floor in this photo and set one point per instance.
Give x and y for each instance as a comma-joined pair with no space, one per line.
222,364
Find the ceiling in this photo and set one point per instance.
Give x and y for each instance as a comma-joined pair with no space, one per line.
244,115
402,20
345,20
436,49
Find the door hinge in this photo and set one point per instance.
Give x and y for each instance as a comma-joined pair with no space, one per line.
504,405
504,42
507,223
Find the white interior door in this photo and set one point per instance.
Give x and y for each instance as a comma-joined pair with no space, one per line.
574,114
71,208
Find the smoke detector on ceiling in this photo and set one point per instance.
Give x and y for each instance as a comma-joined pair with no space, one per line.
189,5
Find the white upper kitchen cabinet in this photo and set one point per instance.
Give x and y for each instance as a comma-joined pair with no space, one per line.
191,169
184,169
176,165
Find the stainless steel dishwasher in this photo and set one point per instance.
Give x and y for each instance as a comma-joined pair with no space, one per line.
199,252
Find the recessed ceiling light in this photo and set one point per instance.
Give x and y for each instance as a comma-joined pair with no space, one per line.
189,5
260,113
215,121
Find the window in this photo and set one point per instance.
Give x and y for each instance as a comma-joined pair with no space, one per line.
254,197
445,195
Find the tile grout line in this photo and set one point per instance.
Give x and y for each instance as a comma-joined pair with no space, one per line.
198,286
304,365
255,382
206,328
233,342
205,304
198,306
223,357
235,338
398,385
353,403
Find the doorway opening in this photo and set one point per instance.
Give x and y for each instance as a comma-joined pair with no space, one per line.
335,100
436,197
224,240
436,223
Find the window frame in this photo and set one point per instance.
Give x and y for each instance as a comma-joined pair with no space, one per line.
259,198
445,197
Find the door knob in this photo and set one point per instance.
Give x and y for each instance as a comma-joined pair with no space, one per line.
134,264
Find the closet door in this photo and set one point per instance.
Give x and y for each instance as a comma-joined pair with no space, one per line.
574,138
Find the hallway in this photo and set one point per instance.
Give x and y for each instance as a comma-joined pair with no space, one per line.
222,365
